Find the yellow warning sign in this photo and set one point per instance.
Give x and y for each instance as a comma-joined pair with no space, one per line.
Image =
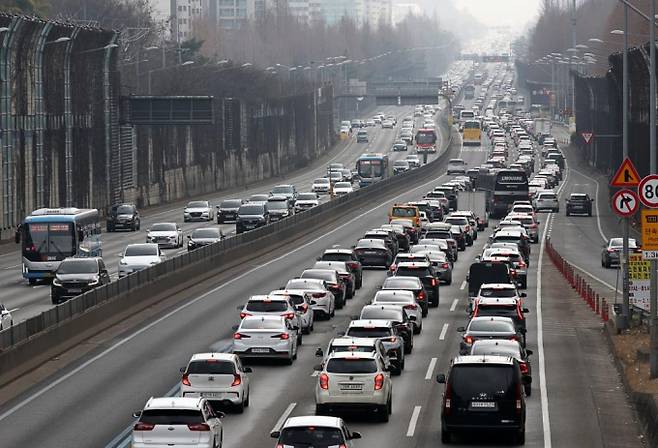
626,175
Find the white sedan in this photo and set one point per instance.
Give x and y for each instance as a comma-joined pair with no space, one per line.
165,234
139,256
198,211
320,185
341,188
266,337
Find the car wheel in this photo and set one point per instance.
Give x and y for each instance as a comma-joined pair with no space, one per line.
425,312
397,371
290,360
300,339
32,281
239,408
418,329
567,213
246,402
332,314
446,436
589,213
449,281
383,413
109,229
519,439
312,327
524,284
409,347
320,409
528,390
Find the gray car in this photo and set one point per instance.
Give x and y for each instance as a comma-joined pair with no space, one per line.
487,327
384,330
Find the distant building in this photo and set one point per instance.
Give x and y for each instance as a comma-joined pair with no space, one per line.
402,10
233,14
183,15
372,12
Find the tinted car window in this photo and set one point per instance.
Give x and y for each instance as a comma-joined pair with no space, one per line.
489,325
78,267
311,436
212,367
124,210
400,283
482,349
277,205
306,196
497,292
255,324
197,204
470,381
304,284
378,313
231,203
337,257
205,233
375,332
497,310
251,210
164,227
415,272
326,275
171,416
141,250
352,365
261,306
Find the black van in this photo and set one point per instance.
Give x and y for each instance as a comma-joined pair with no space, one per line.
483,393
486,272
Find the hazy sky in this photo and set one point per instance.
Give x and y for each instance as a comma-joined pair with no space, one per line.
501,12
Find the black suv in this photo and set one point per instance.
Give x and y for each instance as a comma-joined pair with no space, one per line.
251,216
228,210
579,203
123,216
349,257
483,392
76,276
427,275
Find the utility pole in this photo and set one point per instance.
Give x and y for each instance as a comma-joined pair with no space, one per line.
573,45
653,344
625,310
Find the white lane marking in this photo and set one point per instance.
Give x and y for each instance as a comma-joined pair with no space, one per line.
430,369
444,330
6,268
184,306
540,344
414,421
463,285
596,204
284,417
315,373
454,304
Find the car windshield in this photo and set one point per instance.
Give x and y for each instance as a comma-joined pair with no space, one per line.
343,185
141,250
369,332
124,210
261,324
79,266
402,283
311,436
282,190
267,306
405,212
171,417
251,210
197,204
351,365
164,227
277,205
211,367
231,203
205,233
321,181
307,196
493,326
470,381
401,163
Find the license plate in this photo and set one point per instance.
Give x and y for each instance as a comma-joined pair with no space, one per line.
211,395
75,290
370,252
351,386
483,404
260,350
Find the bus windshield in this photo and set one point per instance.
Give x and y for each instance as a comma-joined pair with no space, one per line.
48,241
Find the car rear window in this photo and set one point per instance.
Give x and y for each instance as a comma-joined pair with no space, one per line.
412,272
337,257
258,324
378,313
470,381
351,365
211,367
438,235
320,275
489,349
497,292
304,284
315,436
171,416
497,310
140,250
369,332
262,306
401,283
489,325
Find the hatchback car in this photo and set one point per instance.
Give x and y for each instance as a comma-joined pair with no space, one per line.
218,377
426,273
500,347
402,321
137,257
483,393
276,305
401,298
354,381
611,253
177,421
579,203
302,303
198,211
347,344
547,200
348,256
332,281
344,272
266,337
412,284
315,431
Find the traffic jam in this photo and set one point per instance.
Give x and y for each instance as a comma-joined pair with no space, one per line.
418,248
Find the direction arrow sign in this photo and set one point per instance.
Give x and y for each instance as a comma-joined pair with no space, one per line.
626,175
587,136
625,202
648,190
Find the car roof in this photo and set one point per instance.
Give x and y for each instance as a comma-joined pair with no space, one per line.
482,359
267,298
313,420
370,323
174,403
353,355
414,264
347,341
213,355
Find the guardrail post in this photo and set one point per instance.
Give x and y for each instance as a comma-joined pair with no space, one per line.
597,305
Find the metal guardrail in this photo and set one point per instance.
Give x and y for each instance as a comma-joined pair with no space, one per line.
177,270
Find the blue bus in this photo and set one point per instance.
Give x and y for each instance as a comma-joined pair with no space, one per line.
372,168
49,235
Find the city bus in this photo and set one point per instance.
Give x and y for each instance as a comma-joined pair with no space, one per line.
469,92
49,235
426,141
472,133
505,187
372,168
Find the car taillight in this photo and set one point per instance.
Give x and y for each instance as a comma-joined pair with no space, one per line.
421,295
524,368
445,265
393,267
304,307
410,307
392,339
288,315
353,265
521,264
140,426
198,427
324,381
447,400
518,398
243,315
512,271
317,295
379,381
237,380
186,380
611,251
239,336
282,336
513,338
333,285
433,282
468,339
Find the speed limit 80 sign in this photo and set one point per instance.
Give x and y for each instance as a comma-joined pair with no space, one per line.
647,190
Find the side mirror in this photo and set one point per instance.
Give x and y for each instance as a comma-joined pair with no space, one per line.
313,302
355,435
275,434
355,317
137,414
441,378
219,414
247,370
239,307
523,294
319,353
182,370
189,237
340,334
526,380
461,329
235,327
317,367
526,310
217,207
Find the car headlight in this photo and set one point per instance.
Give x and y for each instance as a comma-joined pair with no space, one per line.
123,263
56,282
94,282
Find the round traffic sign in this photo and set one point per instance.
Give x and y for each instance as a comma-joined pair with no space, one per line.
625,202
648,190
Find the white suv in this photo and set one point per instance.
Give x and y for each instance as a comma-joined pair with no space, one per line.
277,305
547,200
217,377
178,421
353,380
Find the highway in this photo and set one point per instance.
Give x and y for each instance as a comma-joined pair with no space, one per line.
26,301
